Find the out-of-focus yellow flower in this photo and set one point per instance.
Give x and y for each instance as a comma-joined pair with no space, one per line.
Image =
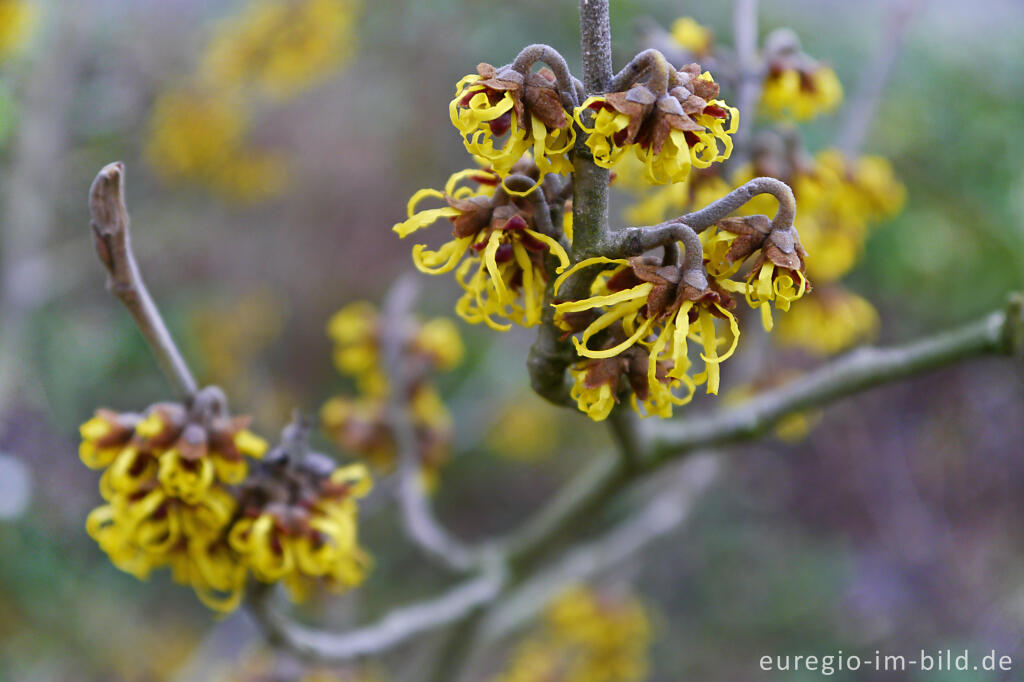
690,35
309,539
699,190
504,275
231,336
199,137
525,429
801,94
830,321
585,637
490,105
363,426
682,129
16,20
167,504
281,47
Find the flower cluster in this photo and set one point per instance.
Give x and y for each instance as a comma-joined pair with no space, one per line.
503,113
166,483
642,314
586,636
364,424
199,128
281,48
839,202
670,130
499,248
796,86
199,136
298,522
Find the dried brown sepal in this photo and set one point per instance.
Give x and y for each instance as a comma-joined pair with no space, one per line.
750,231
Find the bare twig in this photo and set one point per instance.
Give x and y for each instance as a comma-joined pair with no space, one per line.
420,524
861,109
394,628
110,226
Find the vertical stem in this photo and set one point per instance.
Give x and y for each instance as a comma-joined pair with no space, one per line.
860,112
590,192
748,86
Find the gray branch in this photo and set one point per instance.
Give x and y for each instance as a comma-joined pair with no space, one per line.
113,247
419,522
396,627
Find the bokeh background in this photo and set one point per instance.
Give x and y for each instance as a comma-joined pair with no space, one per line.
894,525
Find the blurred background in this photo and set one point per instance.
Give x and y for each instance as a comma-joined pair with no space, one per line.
894,525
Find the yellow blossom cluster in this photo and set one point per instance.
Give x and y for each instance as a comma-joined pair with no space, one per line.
800,93
363,424
199,128
166,478
586,636
839,202
501,255
298,526
180,493
683,128
281,47
642,315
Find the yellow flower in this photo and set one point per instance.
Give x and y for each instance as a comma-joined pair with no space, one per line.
439,340
800,93
700,189
363,426
690,35
200,137
504,275
282,47
167,504
311,537
586,636
16,20
659,307
491,105
830,321
682,129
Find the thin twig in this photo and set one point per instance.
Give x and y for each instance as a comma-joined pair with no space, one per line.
862,107
110,226
394,628
420,524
